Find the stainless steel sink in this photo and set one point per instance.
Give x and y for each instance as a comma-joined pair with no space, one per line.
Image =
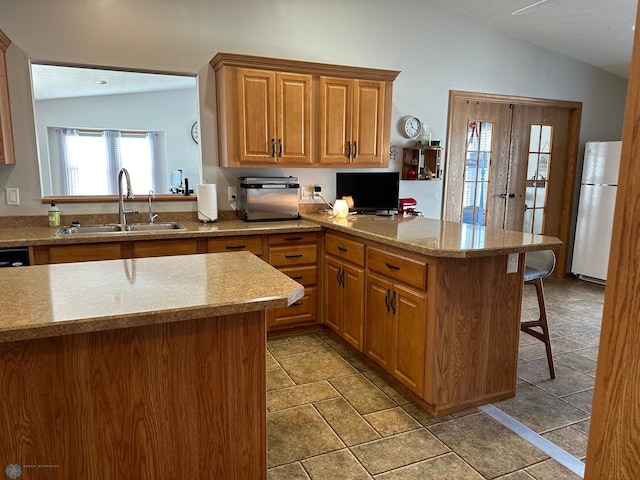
154,227
89,229
117,228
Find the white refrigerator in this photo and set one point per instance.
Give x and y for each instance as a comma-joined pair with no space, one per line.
595,210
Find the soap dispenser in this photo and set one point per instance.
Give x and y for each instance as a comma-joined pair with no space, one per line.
54,215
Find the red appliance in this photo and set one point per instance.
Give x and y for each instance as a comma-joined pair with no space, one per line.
407,206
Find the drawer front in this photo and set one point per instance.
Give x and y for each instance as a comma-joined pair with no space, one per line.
160,248
283,256
84,253
304,311
406,270
251,243
292,238
346,249
306,276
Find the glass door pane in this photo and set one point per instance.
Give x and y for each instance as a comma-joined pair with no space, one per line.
478,163
540,143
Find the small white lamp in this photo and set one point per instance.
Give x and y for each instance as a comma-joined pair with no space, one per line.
340,208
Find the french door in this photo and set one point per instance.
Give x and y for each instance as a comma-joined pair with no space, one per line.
511,163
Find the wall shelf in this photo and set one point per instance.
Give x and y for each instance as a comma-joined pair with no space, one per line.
421,162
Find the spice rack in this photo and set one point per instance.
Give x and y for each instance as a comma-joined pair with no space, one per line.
421,162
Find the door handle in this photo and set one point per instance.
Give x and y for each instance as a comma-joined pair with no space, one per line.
342,278
273,147
355,149
280,147
386,299
393,303
349,151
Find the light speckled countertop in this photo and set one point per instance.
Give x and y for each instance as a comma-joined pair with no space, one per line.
434,237
51,300
28,235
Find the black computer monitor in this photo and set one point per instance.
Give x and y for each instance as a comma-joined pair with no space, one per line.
372,192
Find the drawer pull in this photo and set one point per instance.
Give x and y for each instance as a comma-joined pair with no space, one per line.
292,239
297,277
297,255
297,304
235,247
393,303
342,249
392,267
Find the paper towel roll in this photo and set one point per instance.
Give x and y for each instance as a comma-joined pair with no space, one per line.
207,202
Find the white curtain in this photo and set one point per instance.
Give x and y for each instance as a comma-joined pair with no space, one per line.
156,157
112,145
69,172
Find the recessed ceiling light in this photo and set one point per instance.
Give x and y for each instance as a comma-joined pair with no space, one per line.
102,82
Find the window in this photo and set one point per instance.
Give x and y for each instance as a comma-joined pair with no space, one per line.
93,158
476,172
541,140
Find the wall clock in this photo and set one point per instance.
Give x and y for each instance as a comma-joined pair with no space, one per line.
411,126
195,132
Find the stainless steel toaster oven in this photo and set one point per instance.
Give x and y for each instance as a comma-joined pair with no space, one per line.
268,198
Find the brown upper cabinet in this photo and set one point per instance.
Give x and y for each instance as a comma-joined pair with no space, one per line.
275,113
6,131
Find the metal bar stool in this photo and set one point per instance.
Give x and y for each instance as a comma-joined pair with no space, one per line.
537,266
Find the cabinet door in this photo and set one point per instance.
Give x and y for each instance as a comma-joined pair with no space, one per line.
368,119
353,305
333,295
336,104
378,321
409,337
293,112
6,130
256,116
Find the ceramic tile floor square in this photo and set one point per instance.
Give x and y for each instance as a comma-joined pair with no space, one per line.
331,416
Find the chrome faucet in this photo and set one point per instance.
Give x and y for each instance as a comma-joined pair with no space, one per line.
122,212
152,216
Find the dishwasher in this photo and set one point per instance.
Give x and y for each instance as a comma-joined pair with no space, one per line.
14,257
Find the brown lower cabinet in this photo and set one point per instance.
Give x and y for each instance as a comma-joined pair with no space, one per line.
344,280
396,323
295,254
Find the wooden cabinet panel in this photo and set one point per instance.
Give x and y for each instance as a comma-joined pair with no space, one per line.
401,268
273,112
256,116
395,330
293,255
353,306
252,243
299,313
292,238
293,111
6,130
296,255
158,248
351,121
409,337
306,276
84,252
378,321
344,248
368,121
333,294
336,103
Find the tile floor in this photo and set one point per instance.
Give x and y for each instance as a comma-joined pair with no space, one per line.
330,416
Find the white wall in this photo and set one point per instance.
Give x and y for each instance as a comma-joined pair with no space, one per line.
137,112
435,50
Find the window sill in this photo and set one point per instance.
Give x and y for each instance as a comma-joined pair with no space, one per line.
114,198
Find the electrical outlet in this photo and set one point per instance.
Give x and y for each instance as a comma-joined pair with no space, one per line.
231,194
13,196
512,263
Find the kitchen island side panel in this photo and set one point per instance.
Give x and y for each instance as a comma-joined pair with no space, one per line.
474,349
173,400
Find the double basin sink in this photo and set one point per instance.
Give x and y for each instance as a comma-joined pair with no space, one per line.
119,228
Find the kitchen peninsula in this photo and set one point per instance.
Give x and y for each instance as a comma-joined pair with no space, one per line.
139,368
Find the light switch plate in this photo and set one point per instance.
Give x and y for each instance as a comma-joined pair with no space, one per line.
13,196
512,262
